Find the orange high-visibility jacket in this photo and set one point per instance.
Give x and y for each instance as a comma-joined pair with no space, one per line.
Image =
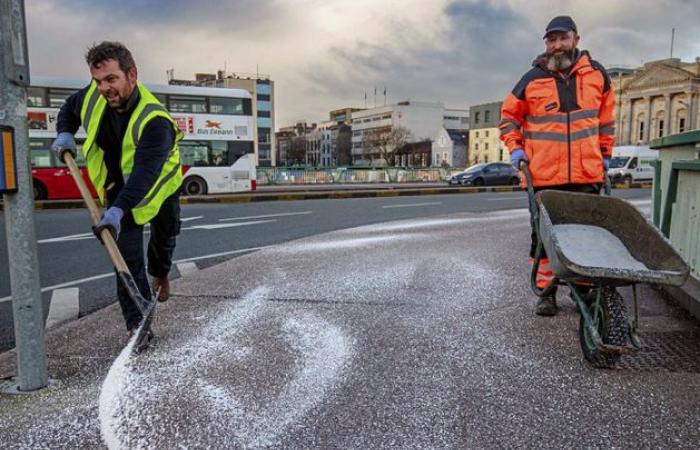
565,123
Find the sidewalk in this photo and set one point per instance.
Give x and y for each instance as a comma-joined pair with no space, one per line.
408,334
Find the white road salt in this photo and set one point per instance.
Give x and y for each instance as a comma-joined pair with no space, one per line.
593,246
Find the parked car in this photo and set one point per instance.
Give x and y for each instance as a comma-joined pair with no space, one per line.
487,174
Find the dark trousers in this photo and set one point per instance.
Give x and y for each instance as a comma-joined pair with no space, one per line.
584,188
165,226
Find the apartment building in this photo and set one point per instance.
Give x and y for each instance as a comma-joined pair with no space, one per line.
484,137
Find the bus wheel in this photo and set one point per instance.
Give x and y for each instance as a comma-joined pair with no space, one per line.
194,186
39,191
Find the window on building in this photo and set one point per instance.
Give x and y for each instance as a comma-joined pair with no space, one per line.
476,117
188,104
264,135
486,145
486,133
36,97
681,125
660,131
263,113
476,134
263,88
262,105
263,97
476,146
486,116
641,131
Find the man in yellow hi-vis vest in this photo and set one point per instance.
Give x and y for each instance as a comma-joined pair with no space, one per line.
133,162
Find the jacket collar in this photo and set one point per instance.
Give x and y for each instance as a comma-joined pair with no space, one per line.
582,59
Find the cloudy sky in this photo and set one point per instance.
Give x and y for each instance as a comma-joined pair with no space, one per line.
325,54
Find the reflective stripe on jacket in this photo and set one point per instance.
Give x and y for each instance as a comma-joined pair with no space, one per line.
565,124
148,108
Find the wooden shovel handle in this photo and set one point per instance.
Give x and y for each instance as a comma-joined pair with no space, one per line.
95,213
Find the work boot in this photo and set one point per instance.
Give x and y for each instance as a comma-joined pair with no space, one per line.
546,306
164,285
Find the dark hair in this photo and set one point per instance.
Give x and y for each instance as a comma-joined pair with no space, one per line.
105,50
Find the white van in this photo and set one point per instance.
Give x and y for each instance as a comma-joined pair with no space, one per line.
632,164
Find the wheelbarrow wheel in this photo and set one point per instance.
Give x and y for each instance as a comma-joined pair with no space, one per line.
611,325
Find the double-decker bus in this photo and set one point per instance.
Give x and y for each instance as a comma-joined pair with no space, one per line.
217,150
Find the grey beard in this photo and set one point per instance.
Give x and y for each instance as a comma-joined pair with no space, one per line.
559,62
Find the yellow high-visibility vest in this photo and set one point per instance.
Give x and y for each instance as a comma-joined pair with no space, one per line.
148,108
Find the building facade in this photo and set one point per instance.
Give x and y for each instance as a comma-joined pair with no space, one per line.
658,99
262,89
422,123
484,142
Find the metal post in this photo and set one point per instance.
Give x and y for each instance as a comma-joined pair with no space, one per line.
19,206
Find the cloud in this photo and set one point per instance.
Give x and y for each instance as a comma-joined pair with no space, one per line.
325,54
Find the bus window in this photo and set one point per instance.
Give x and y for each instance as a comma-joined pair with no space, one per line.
163,99
40,153
219,153
36,97
220,105
58,96
194,153
188,104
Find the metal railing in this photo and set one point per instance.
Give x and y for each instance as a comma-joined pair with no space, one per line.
271,176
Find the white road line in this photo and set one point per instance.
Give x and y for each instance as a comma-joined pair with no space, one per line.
187,268
110,274
70,237
409,205
187,219
216,226
267,215
64,306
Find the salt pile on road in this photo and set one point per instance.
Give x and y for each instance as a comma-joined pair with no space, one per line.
592,246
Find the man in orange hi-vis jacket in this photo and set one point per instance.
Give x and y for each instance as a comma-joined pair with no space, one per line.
560,119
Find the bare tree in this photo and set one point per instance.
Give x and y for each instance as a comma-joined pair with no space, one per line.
296,153
381,143
343,145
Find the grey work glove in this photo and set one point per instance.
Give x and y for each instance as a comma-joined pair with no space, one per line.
63,143
111,220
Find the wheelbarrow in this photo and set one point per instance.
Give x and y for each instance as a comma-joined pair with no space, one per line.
596,244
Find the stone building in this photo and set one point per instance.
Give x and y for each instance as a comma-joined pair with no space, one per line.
658,99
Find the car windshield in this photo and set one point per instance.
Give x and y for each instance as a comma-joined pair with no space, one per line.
475,168
619,161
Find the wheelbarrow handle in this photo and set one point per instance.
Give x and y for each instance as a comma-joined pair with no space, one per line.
607,186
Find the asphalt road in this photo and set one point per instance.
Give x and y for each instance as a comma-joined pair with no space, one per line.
73,263
408,334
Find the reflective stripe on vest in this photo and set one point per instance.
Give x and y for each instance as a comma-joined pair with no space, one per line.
148,108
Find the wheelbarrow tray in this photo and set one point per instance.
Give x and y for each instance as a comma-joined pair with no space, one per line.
642,239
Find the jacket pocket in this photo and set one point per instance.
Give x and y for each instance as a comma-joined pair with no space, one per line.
544,160
591,160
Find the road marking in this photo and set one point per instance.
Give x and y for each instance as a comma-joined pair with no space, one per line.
409,205
64,306
216,226
70,237
264,216
110,274
187,219
187,268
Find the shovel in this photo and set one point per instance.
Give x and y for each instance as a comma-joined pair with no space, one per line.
146,307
